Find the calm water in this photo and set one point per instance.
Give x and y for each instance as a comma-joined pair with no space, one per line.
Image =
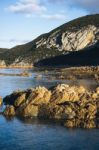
19,134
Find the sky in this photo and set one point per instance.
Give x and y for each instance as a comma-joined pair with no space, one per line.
22,21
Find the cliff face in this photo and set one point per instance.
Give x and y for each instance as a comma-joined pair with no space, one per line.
71,40
75,35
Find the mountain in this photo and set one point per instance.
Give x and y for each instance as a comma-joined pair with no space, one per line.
80,34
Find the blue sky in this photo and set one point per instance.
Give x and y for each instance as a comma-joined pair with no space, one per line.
23,20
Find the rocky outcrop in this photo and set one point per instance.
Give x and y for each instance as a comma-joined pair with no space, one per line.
20,63
2,64
71,40
74,106
63,93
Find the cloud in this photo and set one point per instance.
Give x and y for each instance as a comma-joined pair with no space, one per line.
27,7
34,8
53,17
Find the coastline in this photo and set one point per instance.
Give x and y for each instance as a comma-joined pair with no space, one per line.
16,67
52,67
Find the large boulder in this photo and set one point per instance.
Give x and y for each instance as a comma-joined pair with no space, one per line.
36,97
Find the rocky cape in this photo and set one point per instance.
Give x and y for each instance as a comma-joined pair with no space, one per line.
73,106
81,34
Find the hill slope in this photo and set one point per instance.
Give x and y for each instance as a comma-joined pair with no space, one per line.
73,36
88,56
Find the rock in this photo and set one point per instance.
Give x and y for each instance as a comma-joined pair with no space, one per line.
75,106
1,101
64,93
97,90
81,113
81,90
70,40
9,111
28,111
25,74
20,100
10,99
69,124
38,77
91,111
94,96
90,124
39,96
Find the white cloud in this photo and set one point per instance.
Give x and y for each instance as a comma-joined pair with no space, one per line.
32,8
54,16
27,7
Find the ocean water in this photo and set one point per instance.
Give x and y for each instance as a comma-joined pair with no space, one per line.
34,134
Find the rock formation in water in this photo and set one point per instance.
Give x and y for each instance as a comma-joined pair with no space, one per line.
73,36
74,106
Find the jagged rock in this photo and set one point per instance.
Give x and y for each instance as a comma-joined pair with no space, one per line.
97,90
70,40
39,95
10,99
28,111
90,124
69,124
1,101
64,93
74,105
9,111
20,100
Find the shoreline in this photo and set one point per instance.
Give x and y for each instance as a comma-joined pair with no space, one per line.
16,67
49,67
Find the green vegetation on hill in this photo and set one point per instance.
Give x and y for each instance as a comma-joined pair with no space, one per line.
80,22
2,50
